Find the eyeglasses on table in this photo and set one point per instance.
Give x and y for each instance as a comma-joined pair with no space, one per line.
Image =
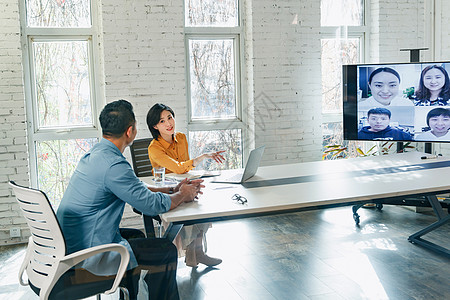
240,199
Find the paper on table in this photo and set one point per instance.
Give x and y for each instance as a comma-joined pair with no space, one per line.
192,174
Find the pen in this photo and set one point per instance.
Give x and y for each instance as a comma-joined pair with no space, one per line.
430,156
223,187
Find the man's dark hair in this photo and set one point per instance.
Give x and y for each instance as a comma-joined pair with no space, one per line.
154,115
379,111
116,117
436,112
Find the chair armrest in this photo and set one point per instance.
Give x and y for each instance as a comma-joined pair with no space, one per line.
26,260
73,259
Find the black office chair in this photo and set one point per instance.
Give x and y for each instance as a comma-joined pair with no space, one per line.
143,167
139,156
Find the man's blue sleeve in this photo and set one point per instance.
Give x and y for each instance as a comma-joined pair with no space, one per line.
121,181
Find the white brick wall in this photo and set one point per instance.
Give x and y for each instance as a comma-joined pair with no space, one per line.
445,34
286,76
395,25
13,149
143,57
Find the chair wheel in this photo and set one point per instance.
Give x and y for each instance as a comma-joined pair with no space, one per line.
379,206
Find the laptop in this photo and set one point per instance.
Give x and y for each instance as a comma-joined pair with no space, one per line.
250,168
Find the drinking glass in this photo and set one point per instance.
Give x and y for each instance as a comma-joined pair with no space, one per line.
159,175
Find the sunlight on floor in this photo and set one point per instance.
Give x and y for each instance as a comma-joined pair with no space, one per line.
380,243
373,228
11,266
338,217
361,272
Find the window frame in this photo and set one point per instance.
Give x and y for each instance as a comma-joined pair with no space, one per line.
348,32
50,34
217,33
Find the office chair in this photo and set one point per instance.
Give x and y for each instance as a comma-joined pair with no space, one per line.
143,167
48,267
139,156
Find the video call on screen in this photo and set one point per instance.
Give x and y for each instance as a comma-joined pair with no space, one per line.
397,102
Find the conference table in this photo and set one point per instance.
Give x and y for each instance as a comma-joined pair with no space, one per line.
385,179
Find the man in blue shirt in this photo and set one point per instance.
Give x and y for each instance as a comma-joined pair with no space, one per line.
94,201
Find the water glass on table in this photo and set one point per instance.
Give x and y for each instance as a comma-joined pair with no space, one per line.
159,175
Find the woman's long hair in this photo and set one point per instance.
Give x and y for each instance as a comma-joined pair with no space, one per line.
423,93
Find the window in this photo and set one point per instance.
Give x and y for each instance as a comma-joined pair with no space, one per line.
213,36
342,13
344,37
59,88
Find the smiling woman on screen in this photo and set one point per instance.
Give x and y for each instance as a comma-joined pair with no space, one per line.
434,87
384,83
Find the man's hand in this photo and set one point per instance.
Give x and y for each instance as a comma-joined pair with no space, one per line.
186,191
177,188
197,182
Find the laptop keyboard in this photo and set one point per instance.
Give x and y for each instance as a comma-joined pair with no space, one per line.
235,178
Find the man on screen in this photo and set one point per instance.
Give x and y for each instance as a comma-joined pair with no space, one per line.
379,129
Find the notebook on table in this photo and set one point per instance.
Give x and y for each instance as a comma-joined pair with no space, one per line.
250,169
195,174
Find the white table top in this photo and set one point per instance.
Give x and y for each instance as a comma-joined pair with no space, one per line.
320,183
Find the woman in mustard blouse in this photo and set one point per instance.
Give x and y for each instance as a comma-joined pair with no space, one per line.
170,150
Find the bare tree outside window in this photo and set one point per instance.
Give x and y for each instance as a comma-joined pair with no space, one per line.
213,33
57,160
211,13
59,13
335,53
342,12
62,84
208,141
60,78
213,93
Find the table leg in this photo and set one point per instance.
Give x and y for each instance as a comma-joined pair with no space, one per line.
442,219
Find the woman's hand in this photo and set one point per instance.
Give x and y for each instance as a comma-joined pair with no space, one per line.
217,156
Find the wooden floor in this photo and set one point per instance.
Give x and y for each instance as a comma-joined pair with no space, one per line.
308,255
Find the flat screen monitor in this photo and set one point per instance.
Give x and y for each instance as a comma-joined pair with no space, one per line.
397,102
